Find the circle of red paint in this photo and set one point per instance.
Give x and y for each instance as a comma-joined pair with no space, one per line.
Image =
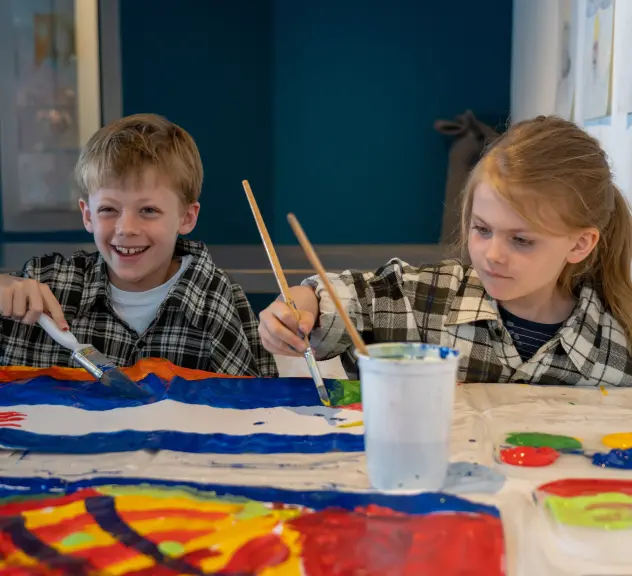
529,456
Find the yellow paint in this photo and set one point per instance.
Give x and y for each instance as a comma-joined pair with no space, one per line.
621,440
157,525
247,529
19,558
603,390
141,502
350,424
132,564
228,542
53,515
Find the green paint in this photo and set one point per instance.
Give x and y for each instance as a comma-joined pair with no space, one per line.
343,392
573,403
77,539
539,440
253,509
171,548
610,511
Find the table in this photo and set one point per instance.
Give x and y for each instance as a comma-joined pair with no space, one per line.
483,415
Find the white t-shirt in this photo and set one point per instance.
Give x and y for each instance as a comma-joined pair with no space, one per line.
138,309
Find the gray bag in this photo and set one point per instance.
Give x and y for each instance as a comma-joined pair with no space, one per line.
472,136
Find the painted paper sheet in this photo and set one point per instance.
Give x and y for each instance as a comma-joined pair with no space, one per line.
623,43
566,66
597,57
162,529
52,411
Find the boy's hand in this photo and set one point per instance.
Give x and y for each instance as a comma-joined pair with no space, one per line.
25,300
279,329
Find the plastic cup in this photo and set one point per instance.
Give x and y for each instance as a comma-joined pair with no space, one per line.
407,403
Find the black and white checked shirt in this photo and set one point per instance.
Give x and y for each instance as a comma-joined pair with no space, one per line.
205,322
446,304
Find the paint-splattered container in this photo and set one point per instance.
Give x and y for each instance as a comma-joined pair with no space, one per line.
407,401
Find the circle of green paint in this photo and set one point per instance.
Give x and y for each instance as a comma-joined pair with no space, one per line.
171,548
541,440
77,539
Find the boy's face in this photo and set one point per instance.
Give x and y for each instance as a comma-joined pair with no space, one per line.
135,228
514,262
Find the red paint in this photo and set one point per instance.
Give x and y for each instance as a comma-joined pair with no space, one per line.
11,419
586,487
258,554
379,542
153,571
357,406
59,531
195,558
15,508
6,545
30,571
529,456
102,557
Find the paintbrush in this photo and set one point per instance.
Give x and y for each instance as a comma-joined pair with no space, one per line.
309,356
89,358
316,263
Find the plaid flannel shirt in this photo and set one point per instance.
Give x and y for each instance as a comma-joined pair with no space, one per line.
205,322
446,304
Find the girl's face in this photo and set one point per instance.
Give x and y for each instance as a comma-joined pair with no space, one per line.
515,263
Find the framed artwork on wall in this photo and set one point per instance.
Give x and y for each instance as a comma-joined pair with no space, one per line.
60,70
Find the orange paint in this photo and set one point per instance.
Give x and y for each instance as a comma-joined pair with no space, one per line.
161,368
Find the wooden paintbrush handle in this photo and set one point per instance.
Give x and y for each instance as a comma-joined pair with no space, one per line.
316,263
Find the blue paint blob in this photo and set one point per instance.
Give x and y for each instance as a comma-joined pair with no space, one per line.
616,458
471,477
258,423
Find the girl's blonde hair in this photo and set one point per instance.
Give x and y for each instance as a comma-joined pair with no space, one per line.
551,165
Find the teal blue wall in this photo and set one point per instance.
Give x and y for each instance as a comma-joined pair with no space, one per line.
205,64
358,85
326,106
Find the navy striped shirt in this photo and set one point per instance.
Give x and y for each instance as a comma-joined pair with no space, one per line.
528,337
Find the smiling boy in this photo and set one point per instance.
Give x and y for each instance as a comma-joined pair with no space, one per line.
147,292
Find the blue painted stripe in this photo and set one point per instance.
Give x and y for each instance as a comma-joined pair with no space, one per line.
236,393
131,440
423,503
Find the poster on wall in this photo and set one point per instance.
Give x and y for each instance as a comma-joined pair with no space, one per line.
565,90
623,43
597,57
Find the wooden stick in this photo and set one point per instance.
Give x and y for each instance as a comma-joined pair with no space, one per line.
267,243
309,356
316,263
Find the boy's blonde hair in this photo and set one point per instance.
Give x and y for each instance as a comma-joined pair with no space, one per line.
126,148
551,165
